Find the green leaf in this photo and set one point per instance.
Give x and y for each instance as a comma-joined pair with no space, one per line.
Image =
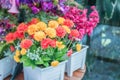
39,62
46,58
26,61
46,64
33,48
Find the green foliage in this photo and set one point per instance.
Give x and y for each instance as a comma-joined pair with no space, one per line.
45,56
3,47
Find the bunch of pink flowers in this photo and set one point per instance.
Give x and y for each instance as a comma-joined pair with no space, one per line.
83,22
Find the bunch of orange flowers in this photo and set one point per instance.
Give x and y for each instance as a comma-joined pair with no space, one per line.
51,34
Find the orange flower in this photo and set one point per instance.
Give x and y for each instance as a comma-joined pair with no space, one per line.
16,58
69,23
39,36
61,20
31,29
60,45
67,29
41,26
17,53
10,37
54,63
53,24
50,32
23,51
74,33
60,31
26,43
78,47
22,27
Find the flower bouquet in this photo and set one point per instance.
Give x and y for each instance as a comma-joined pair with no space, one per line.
43,47
84,24
5,51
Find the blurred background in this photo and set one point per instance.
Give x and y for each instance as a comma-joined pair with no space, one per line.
103,57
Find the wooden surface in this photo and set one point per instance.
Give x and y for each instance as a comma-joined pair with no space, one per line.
77,75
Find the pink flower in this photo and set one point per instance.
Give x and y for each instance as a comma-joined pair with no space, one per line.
69,53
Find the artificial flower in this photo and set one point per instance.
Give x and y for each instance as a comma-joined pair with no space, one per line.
60,32
51,32
67,29
10,37
26,43
54,63
31,29
39,36
23,51
16,58
69,53
53,24
60,45
61,20
78,47
41,26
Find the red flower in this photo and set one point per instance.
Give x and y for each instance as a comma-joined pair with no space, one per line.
69,53
48,42
10,37
60,32
19,35
74,33
45,43
26,43
12,48
69,23
53,43
34,21
22,27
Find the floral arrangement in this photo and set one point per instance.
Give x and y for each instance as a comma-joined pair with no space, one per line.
43,44
84,23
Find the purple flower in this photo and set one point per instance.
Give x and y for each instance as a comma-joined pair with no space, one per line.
46,6
35,10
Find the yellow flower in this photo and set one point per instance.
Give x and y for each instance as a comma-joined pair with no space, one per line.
61,20
17,53
31,29
60,45
41,26
53,24
54,63
67,29
51,32
23,51
39,36
16,58
78,47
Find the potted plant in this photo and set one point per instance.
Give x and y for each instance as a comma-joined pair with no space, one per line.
43,47
6,61
84,24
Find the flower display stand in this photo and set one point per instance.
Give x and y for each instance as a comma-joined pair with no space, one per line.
50,73
76,61
6,67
